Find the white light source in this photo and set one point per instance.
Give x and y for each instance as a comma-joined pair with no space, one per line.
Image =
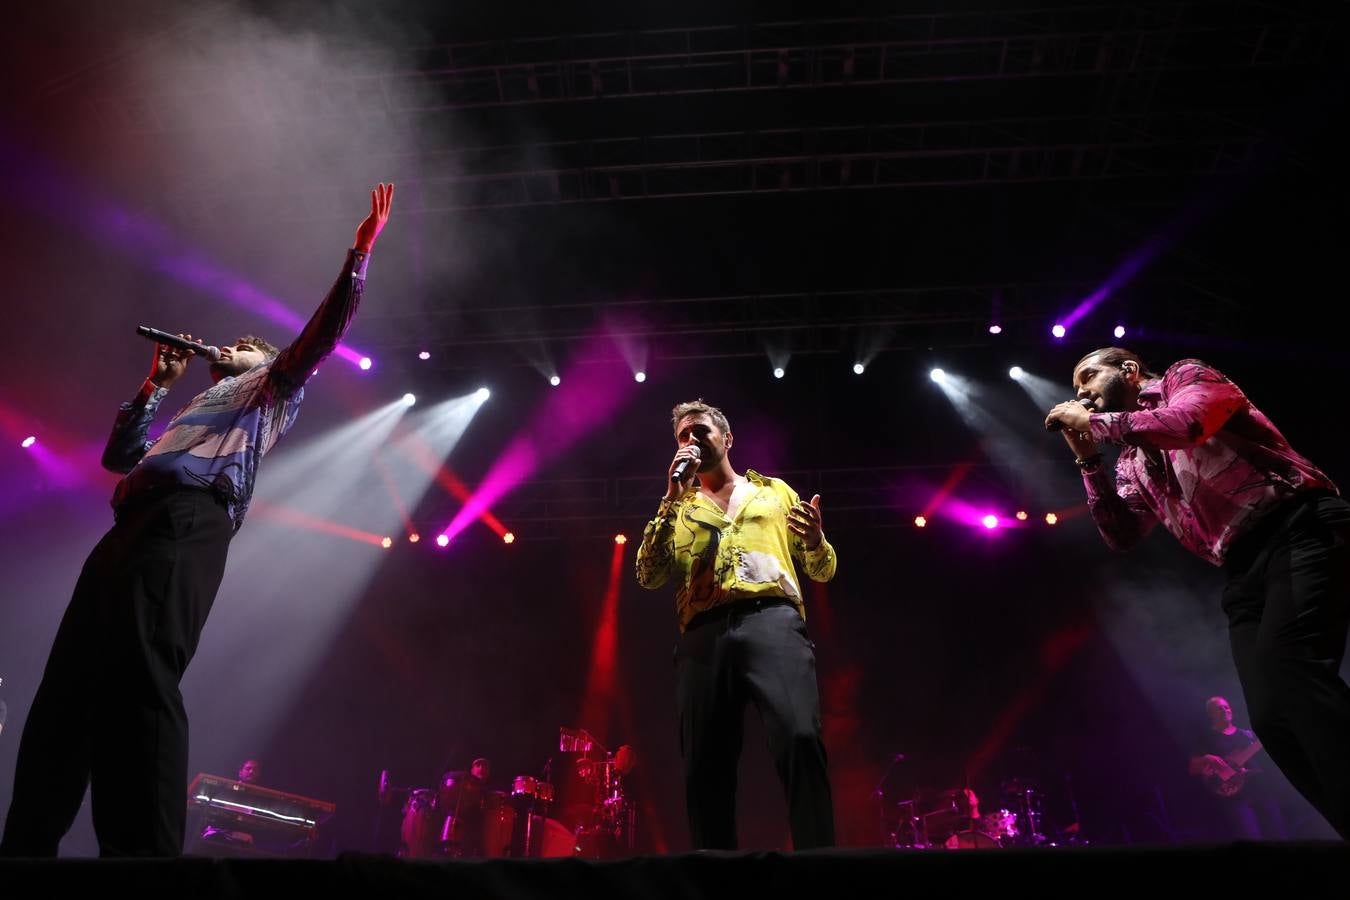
424,355
555,380
366,363
995,329
859,368
778,372
409,399
482,394
1015,373
1058,331
1119,332
937,374
639,377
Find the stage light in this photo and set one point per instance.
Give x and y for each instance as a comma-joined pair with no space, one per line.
442,540
620,538
990,522
920,522
424,355
387,543
366,363
1016,372
778,372
1021,515
639,377
509,537
1119,332
482,394
414,538
29,441
1058,331
859,368
1051,518
409,399
555,380
995,329
937,374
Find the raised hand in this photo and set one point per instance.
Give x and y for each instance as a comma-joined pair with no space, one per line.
380,200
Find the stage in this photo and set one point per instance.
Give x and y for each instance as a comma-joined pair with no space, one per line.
1080,871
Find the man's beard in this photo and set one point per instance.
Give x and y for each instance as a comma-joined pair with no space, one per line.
1115,394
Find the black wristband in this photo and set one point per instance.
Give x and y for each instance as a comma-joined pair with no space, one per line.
1089,463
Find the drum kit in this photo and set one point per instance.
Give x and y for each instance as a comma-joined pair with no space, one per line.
461,818
953,819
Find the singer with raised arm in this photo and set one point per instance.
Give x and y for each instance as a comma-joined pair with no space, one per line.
729,545
1197,456
108,713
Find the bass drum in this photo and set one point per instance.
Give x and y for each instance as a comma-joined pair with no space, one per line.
556,839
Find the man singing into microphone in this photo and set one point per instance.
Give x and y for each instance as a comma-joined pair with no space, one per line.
1198,457
108,713
730,545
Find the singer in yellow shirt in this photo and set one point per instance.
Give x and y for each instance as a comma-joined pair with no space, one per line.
729,545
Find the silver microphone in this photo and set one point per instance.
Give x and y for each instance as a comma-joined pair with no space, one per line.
677,476
173,340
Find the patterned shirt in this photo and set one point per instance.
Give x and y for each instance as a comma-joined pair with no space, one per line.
1198,457
716,560
218,439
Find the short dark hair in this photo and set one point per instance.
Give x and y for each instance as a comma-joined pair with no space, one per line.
267,347
698,407
1114,356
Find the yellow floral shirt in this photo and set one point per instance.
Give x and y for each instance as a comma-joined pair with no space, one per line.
716,560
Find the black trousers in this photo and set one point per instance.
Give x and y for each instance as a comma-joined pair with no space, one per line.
756,651
108,714
1287,599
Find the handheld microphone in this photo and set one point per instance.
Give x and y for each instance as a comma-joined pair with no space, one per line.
1059,426
173,340
677,476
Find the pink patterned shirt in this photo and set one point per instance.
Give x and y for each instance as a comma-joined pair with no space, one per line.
1198,457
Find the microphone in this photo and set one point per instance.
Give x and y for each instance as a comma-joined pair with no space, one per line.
1059,426
677,476
173,340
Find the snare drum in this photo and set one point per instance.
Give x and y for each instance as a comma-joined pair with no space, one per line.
971,840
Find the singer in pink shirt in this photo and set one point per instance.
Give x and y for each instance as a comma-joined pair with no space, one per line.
1198,457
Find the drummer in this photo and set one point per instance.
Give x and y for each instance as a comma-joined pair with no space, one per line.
460,799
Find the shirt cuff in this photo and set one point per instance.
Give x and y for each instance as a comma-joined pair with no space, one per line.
150,391
357,262
1097,482
823,552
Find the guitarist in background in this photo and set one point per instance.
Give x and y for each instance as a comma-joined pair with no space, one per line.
1225,760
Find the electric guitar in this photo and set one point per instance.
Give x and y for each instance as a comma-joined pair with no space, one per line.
1229,779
